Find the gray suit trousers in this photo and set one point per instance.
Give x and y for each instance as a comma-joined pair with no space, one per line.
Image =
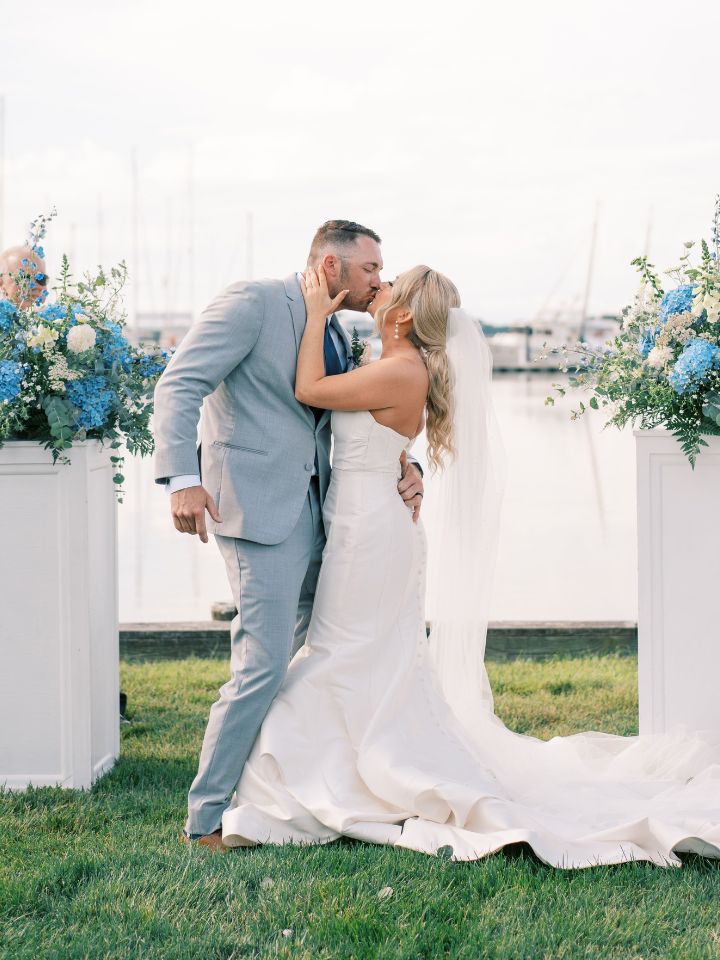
273,586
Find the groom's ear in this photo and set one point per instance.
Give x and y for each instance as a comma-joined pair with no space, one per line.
331,264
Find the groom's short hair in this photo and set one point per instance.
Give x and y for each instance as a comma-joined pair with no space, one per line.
338,233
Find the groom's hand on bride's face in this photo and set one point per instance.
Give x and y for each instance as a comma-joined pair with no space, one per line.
410,486
188,510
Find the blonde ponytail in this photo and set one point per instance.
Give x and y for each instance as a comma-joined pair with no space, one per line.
429,295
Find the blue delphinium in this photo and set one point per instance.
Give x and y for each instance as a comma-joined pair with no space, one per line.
8,315
676,301
647,341
693,364
18,346
93,398
11,374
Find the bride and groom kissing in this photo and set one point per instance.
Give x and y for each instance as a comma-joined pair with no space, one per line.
341,716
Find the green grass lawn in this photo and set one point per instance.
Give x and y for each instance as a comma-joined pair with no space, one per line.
102,873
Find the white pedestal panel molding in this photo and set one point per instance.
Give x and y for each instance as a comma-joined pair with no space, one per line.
679,584
59,640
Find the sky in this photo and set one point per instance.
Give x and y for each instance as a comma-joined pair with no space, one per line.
483,139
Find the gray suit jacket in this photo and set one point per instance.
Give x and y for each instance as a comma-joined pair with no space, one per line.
258,442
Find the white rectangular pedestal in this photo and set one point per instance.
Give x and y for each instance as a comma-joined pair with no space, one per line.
679,584
59,640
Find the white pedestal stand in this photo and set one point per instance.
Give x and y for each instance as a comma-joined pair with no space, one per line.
59,672
679,583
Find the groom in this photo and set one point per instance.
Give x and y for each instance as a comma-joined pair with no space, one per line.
261,473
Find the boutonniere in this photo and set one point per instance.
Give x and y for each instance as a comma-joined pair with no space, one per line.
361,349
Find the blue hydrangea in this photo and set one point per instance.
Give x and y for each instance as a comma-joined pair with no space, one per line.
39,251
93,398
151,364
8,315
693,365
11,374
115,347
676,301
53,311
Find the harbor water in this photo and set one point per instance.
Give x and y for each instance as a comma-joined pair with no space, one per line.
567,546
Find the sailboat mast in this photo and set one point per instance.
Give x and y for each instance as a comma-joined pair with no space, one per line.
191,233
2,172
135,239
590,272
249,240
648,231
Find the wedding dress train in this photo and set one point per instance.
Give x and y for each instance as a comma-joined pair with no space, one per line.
361,742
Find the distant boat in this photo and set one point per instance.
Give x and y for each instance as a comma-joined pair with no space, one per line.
517,347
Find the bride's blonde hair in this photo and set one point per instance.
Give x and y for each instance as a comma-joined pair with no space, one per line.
429,295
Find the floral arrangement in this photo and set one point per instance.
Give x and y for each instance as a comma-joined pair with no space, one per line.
361,349
67,371
663,367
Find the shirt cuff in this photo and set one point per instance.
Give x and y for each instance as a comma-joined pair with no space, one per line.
181,481
414,462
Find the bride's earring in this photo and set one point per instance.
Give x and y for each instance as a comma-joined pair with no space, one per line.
397,328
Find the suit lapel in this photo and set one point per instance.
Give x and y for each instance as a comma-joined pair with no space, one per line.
298,315
296,305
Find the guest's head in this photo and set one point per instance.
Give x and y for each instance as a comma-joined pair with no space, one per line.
351,257
23,278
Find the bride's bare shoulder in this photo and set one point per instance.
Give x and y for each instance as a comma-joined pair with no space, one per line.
410,368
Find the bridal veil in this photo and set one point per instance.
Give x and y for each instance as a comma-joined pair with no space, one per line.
461,515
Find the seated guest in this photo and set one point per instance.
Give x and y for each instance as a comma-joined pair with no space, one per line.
23,279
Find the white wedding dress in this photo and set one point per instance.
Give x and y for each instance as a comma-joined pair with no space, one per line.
360,741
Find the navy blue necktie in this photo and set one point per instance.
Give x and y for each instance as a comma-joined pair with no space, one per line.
333,364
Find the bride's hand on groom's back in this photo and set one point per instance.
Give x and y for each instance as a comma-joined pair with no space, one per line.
188,510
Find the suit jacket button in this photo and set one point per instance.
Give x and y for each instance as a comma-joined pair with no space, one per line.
308,467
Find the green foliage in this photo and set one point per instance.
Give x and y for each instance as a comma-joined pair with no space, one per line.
631,375
711,408
648,275
358,347
118,378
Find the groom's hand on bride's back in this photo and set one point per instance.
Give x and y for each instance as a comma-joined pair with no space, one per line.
410,486
188,508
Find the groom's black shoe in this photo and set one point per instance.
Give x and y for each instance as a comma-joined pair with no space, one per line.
212,840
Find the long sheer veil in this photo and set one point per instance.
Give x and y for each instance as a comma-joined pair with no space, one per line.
461,516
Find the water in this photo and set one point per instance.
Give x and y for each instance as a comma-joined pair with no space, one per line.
567,538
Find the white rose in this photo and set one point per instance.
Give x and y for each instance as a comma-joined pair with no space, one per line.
81,337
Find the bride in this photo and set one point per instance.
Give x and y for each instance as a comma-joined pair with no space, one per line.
389,736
